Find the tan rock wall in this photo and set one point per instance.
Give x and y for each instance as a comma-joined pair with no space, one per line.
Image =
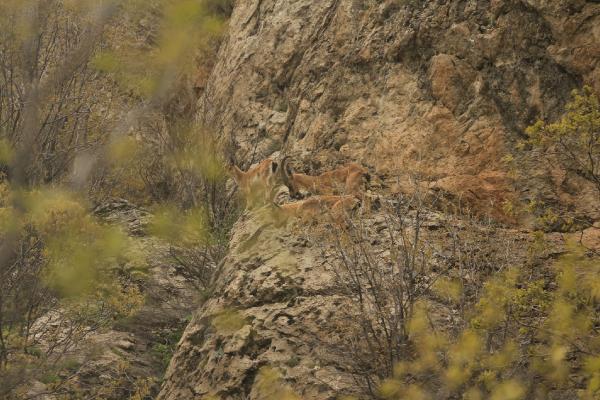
440,88
443,88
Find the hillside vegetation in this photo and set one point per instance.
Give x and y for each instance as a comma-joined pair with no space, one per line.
162,235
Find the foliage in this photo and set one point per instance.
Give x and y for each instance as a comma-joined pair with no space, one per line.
165,349
269,386
570,146
181,28
60,281
522,340
377,285
575,138
387,272
448,313
97,100
46,108
160,153
170,159
88,104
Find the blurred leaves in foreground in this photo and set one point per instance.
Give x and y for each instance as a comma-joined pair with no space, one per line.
522,341
64,275
182,228
90,93
177,32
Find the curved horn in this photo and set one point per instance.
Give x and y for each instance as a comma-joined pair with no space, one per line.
284,167
285,171
287,178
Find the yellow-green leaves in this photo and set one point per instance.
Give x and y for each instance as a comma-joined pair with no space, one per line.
575,138
126,301
491,309
592,369
447,288
106,62
395,390
81,257
464,358
199,153
429,342
504,358
269,385
509,390
79,252
182,29
6,152
183,13
391,389
51,209
181,228
525,336
122,149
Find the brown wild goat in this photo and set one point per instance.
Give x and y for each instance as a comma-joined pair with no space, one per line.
318,206
347,180
258,183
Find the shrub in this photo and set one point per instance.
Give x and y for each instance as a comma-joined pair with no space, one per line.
575,138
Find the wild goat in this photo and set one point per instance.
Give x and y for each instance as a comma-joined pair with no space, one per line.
257,184
318,206
347,180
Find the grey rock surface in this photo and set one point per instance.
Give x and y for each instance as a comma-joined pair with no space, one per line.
283,295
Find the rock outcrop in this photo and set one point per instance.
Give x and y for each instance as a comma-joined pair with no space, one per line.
273,298
443,89
279,303
439,89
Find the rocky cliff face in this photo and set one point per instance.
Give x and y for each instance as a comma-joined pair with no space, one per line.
278,303
273,298
443,89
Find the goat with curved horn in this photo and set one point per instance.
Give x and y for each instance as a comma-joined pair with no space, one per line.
258,183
